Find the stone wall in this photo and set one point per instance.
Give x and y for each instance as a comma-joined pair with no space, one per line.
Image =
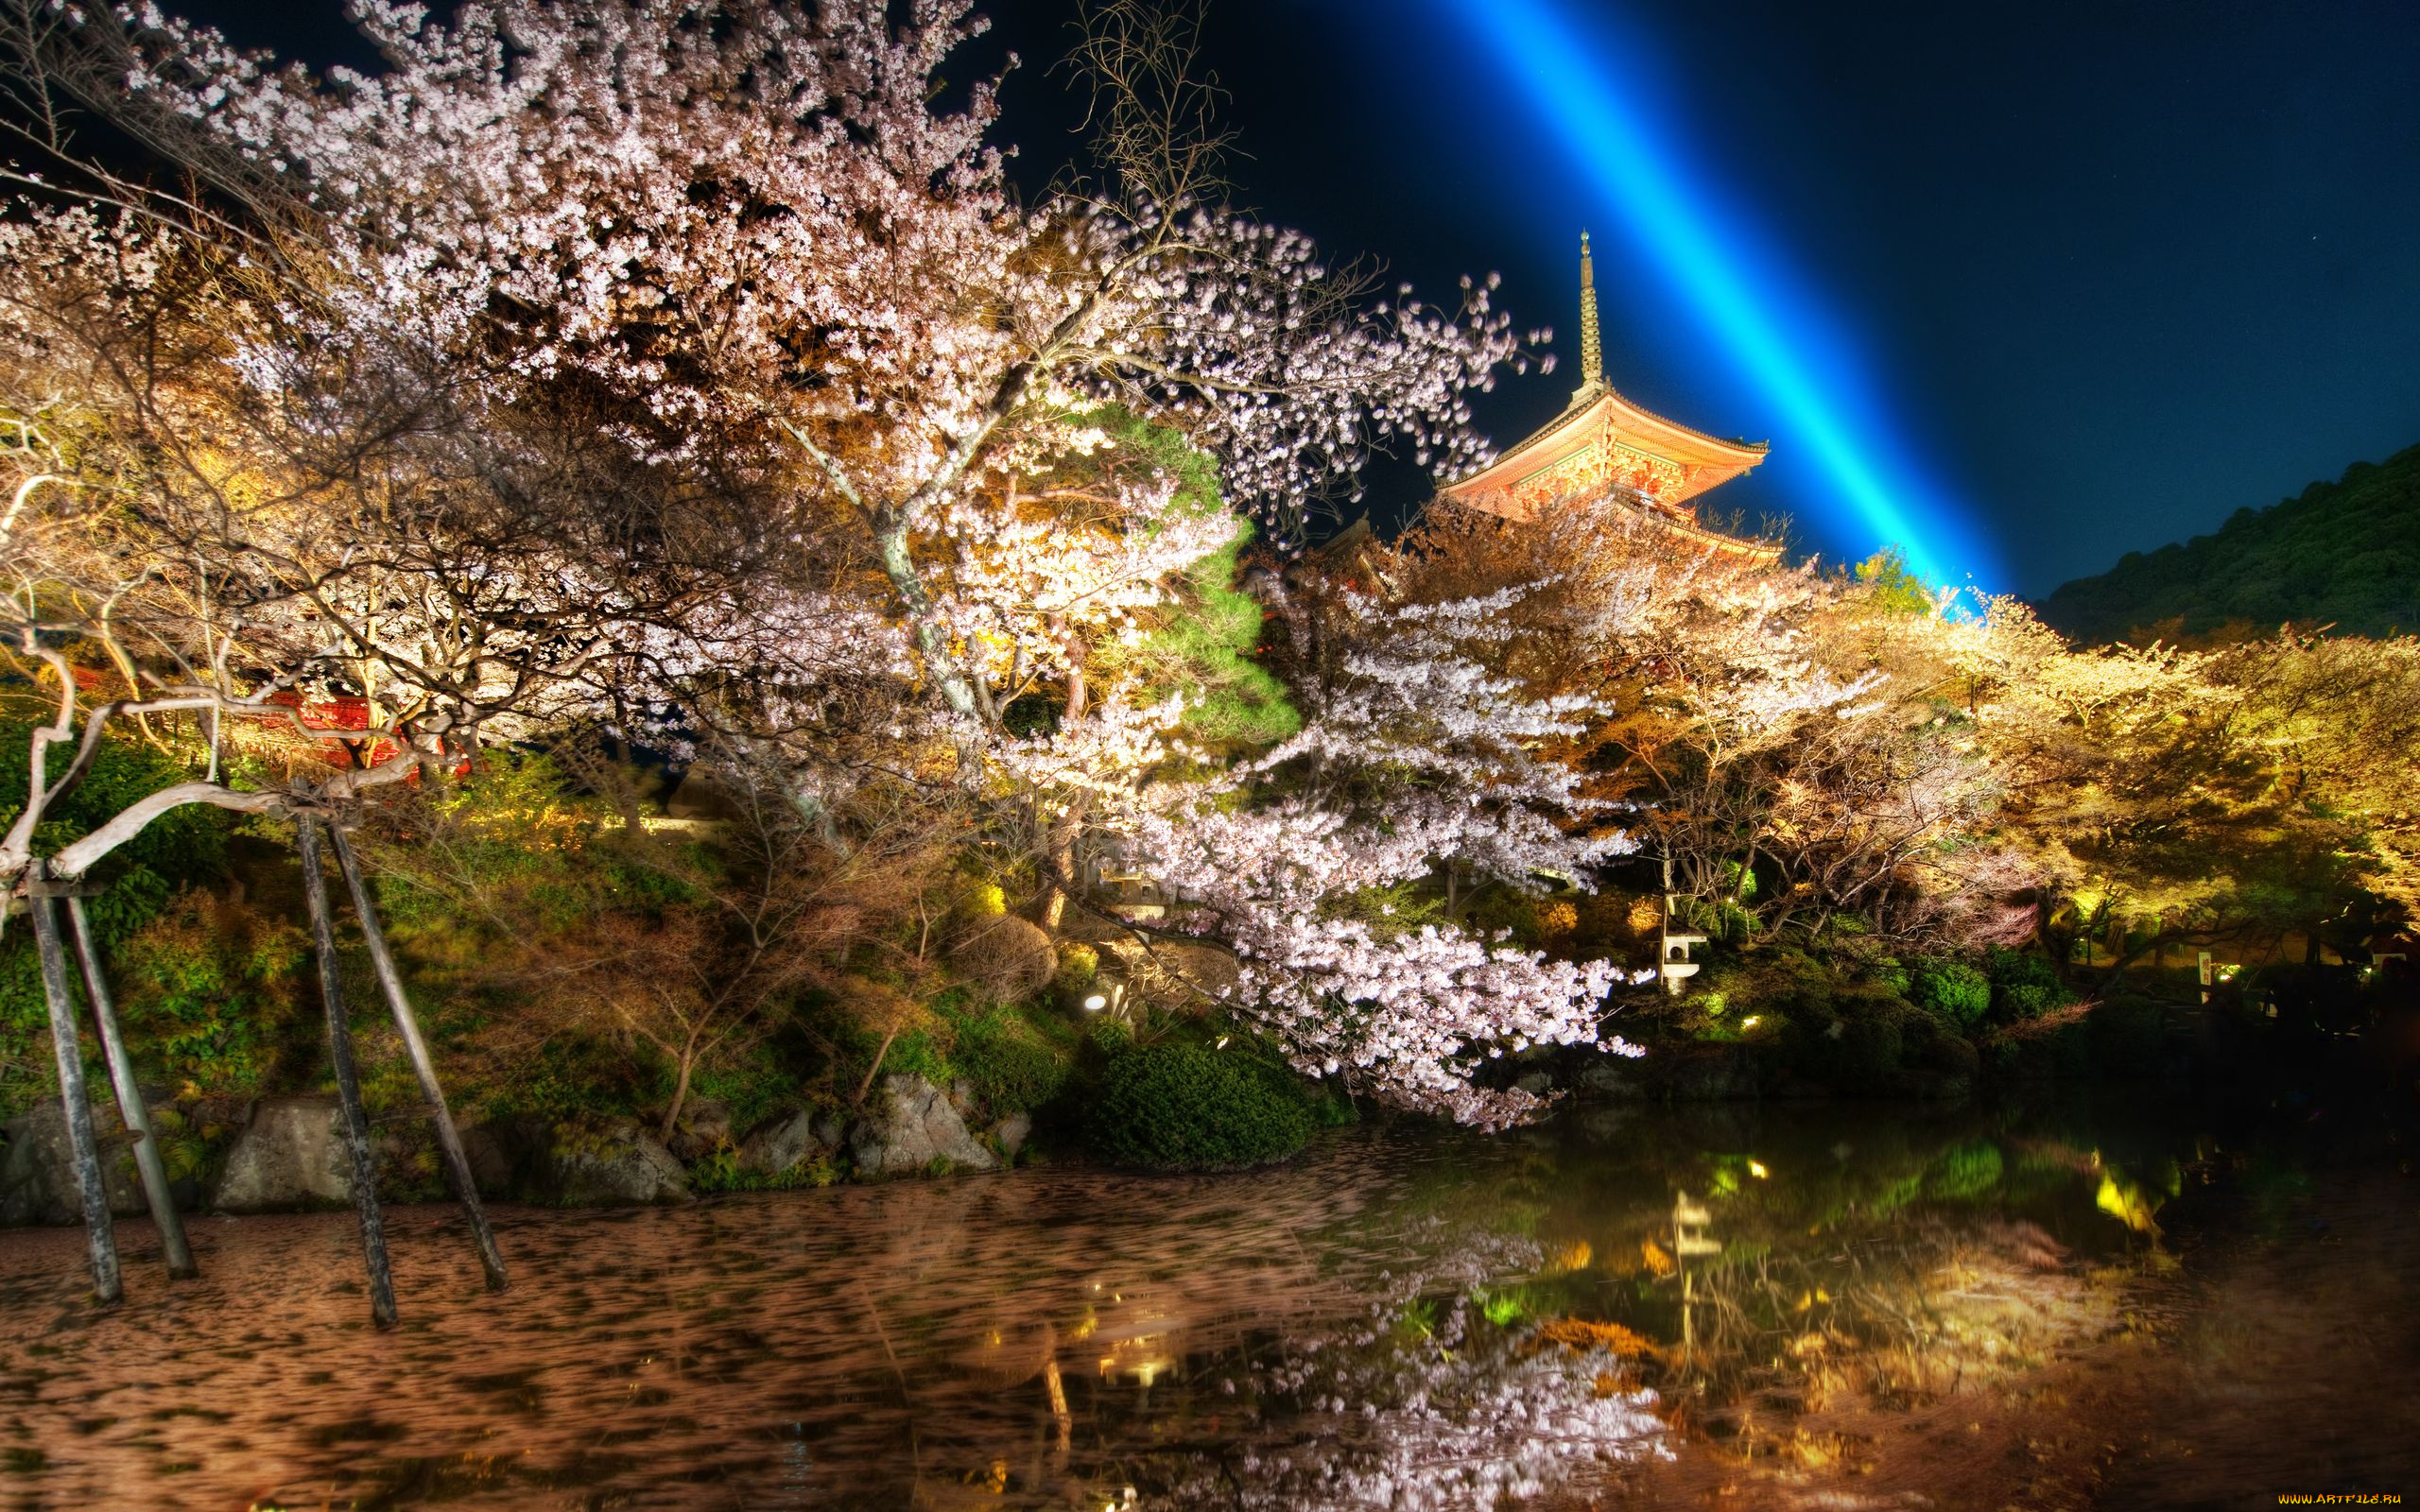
290,1155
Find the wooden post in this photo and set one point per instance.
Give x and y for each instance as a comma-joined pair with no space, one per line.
100,1238
129,1099
449,1140
357,1125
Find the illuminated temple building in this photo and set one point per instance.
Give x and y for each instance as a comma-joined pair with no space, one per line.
1602,442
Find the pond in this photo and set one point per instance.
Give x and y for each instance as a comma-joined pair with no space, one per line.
1831,1306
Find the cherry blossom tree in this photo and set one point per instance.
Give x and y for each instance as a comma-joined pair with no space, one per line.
723,267
744,221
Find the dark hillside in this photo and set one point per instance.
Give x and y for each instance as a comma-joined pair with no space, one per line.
2345,554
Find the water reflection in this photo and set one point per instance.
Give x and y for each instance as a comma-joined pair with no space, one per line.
1402,1320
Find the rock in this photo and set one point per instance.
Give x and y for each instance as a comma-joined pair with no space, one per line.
1011,1132
1680,1074
963,1097
1537,1083
1010,955
1613,1076
705,1126
914,1126
1714,1073
782,1143
38,1170
620,1165
290,1154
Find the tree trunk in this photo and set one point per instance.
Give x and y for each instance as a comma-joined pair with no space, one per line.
449,1139
1063,842
355,1123
100,1237
899,565
689,1060
129,1101
866,1085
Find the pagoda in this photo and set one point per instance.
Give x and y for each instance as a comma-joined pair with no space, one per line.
1603,444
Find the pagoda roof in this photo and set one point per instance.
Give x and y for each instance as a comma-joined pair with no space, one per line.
1598,414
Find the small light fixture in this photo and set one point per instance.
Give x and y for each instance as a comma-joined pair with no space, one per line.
1096,1003
1750,1021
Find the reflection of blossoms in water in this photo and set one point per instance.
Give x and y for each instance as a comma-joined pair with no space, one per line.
1418,1404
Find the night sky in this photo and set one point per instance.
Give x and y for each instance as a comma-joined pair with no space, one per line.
2089,277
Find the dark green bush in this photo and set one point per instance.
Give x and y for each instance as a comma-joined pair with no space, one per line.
1009,1065
1952,990
213,994
1180,1106
2024,984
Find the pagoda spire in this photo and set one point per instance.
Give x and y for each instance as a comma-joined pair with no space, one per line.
1592,350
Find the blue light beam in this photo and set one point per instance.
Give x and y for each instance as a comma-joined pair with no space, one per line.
1755,311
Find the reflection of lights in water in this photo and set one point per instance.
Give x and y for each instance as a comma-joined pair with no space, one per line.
2125,1202
1139,1359
1232,1305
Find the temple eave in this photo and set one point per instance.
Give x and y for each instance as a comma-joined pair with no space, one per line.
1696,460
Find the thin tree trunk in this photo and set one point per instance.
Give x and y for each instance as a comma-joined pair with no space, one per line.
129,1101
357,1123
449,1139
680,1087
866,1085
100,1238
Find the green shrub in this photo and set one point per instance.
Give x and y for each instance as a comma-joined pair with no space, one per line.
178,849
1079,968
215,993
2024,984
1952,990
1010,1067
1180,1107
1108,1037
